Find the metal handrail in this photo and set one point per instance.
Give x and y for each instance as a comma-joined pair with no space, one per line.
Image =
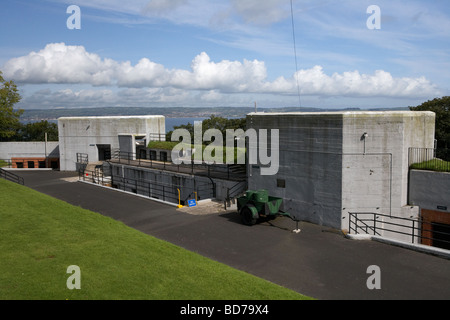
11,177
151,189
205,169
236,190
365,226
416,230
429,159
82,158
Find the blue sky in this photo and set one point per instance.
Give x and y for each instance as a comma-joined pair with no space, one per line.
226,53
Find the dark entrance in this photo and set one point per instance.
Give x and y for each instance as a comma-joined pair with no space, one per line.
142,152
163,156
104,152
441,235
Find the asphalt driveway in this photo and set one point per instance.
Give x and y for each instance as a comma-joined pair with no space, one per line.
319,262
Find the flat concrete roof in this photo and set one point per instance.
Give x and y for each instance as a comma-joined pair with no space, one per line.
345,113
111,117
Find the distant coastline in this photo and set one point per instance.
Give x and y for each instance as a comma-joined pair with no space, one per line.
33,115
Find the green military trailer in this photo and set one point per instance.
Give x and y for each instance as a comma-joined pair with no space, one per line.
258,204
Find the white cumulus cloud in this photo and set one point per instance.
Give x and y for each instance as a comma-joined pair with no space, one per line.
58,63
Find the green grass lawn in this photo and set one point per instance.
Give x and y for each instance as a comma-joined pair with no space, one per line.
433,165
169,146
42,236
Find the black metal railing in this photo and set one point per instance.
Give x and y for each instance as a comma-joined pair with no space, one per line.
236,190
173,193
157,136
82,158
429,159
200,192
168,192
220,171
94,176
11,177
418,230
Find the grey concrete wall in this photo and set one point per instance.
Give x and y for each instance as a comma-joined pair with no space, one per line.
430,190
127,143
310,165
375,168
150,183
10,150
83,134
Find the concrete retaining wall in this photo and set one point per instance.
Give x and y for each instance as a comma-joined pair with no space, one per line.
10,150
164,184
430,190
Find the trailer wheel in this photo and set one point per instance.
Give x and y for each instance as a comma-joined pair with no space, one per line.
247,216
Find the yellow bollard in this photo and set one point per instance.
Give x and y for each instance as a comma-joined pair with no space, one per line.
179,199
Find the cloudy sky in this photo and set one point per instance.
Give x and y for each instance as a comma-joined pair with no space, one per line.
221,53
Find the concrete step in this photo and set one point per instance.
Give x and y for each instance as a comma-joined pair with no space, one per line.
92,165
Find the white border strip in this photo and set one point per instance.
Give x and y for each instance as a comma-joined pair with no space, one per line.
413,246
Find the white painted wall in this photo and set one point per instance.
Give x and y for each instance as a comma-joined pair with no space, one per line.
10,150
83,134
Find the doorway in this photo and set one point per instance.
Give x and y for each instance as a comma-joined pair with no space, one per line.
104,152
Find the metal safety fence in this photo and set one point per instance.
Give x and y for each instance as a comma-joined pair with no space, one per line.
168,192
429,159
7,175
416,230
235,172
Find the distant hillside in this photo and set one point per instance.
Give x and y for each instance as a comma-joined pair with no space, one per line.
173,112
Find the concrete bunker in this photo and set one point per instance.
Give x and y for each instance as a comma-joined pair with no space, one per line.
333,164
99,137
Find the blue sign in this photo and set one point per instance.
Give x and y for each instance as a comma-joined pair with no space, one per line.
192,203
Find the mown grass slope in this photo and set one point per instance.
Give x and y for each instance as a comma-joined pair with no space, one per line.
42,236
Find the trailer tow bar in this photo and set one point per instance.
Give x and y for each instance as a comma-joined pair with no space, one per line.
297,229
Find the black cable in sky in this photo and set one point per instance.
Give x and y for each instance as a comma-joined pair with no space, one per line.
295,54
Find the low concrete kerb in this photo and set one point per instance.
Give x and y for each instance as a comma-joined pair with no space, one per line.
412,246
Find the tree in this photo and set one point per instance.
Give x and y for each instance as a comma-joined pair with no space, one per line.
9,118
36,131
440,106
